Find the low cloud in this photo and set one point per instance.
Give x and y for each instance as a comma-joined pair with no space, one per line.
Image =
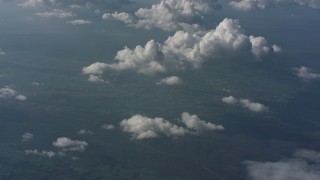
246,103
67,144
303,165
8,93
141,127
85,132
30,3
168,15
247,5
107,126
172,80
79,22
195,123
27,137
306,74
55,13
184,49
43,153
95,79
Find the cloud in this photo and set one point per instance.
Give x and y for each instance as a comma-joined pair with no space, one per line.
253,106
172,80
247,5
85,132
35,152
95,79
168,15
303,165
276,48
7,93
75,6
66,144
79,22
184,49
194,122
141,127
26,137
230,100
246,103
2,52
55,13
30,3
306,74
107,126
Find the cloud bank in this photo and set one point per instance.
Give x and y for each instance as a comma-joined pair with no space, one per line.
141,127
168,15
247,5
184,49
303,165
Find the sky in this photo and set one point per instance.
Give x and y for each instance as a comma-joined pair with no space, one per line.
159,89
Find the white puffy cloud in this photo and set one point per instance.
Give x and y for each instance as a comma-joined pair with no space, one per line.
55,13
246,103
169,15
95,79
66,144
195,123
172,80
259,46
247,5
107,126
2,52
304,165
43,153
276,48
79,22
253,106
7,93
305,74
184,49
85,132
26,137
230,100
122,16
142,127
30,3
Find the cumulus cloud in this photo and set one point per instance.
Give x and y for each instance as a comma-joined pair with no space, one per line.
172,80
306,74
230,100
247,5
95,79
194,122
67,144
26,137
79,22
30,3
43,153
56,13
303,165
184,49
85,132
246,103
169,15
107,126
141,127
7,93
253,106
276,48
